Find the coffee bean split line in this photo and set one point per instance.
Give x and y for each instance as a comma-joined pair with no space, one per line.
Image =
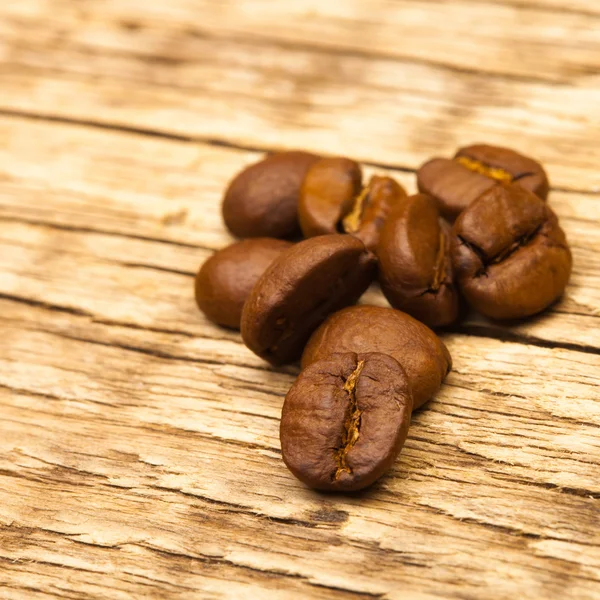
477,166
351,222
352,423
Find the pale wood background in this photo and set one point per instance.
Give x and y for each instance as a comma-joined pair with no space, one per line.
139,452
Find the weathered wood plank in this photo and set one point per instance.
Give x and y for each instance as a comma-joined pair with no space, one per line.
125,431
132,215
551,44
155,68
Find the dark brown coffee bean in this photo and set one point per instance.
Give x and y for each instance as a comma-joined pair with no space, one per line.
332,199
226,279
364,329
372,208
415,270
262,200
456,183
305,284
510,256
327,195
345,420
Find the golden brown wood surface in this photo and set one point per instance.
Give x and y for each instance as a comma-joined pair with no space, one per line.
139,451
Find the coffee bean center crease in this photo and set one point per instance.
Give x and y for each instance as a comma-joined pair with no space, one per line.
440,266
352,424
519,243
351,222
477,166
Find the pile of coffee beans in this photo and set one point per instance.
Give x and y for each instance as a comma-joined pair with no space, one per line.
317,235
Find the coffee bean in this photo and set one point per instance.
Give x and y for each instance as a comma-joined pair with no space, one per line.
345,420
327,195
372,208
415,270
305,284
456,183
510,256
226,279
262,200
332,199
364,329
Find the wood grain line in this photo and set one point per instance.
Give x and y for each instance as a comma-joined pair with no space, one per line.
128,129
155,133
78,229
154,352
471,330
559,10
133,265
45,305
269,572
506,335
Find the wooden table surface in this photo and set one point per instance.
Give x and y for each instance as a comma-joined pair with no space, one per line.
139,450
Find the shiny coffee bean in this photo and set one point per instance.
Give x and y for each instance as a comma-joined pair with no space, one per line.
456,183
226,279
300,289
332,199
345,420
510,256
372,208
415,270
327,195
364,329
262,200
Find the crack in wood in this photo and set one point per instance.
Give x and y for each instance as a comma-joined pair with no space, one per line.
522,417
580,492
269,572
170,270
147,351
532,6
504,335
122,234
45,305
234,508
482,331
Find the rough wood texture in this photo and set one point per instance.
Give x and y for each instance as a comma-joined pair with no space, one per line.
139,452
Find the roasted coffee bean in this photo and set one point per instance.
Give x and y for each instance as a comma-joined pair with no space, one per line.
372,208
332,199
510,256
415,270
226,279
305,284
262,200
327,195
474,170
363,329
345,420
